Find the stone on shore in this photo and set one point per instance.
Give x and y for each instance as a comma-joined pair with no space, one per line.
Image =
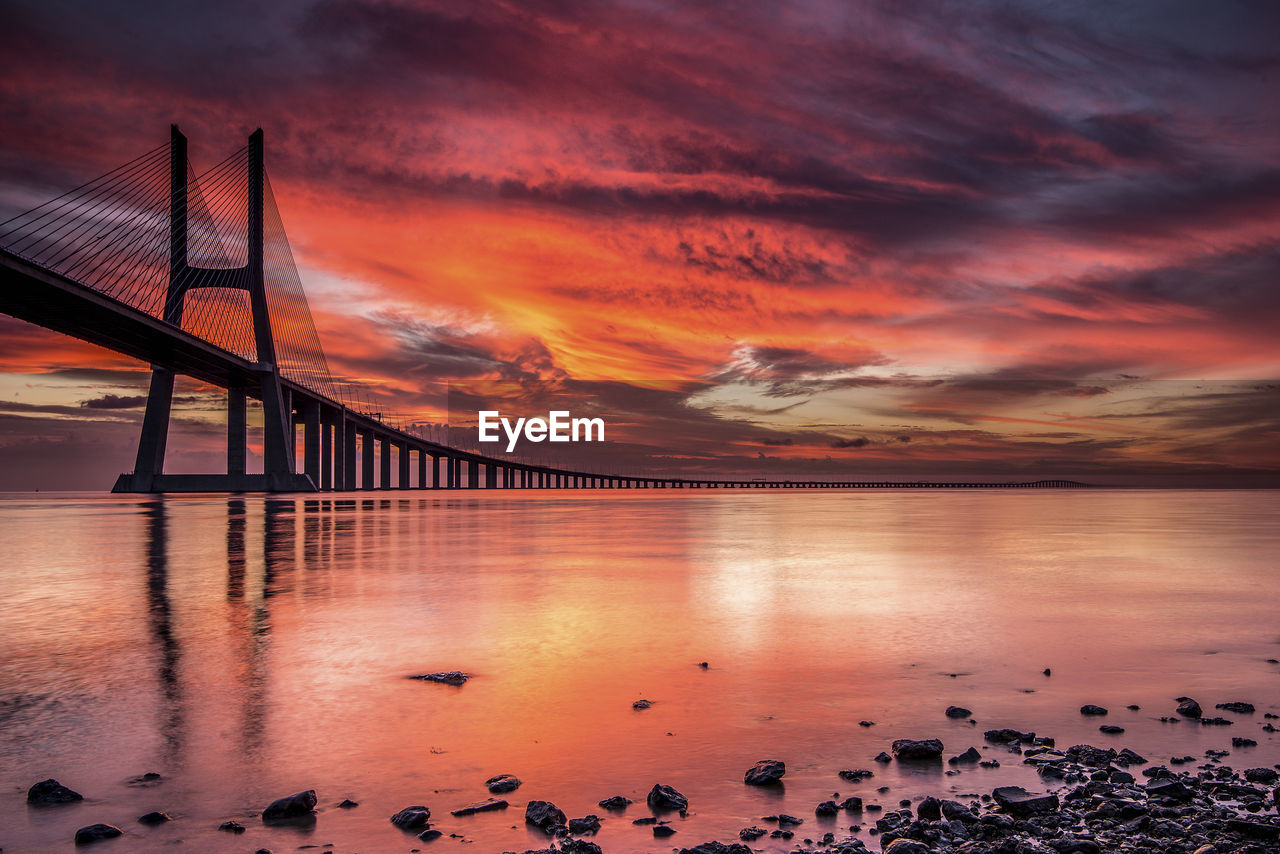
642,704
293,806
883,757
958,712
579,846
487,805
1111,729
231,827
502,784
153,818
930,808
412,818
1020,803
662,831
97,833
917,749
543,815
969,756
1091,709
50,792
444,677
430,834
1189,708
717,847
586,824
853,775
616,802
827,809
666,798
1237,707
906,846
765,772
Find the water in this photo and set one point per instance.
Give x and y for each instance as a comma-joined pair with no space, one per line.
248,648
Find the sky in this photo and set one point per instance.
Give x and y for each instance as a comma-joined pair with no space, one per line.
921,239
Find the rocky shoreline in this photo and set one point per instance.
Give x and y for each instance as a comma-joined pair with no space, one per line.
1093,800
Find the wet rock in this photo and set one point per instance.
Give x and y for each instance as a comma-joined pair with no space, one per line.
853,775
1243,742
487,805
97,833
969,756
906,846
715,847
1216,722
444,677
666,798
1128,757
502,784
1008,736
1237,707
1090,709
662,831
1261,775
293,806
930,808
616,802
231,827
543,815
50,792
853,803
958,712
586,824
1020,803
153,818
866,723
412,818
826,809
1111,729
917,749
649,819
579,846
642,704
1087,754
348,804
1189,708
1169,787
765,772
1254,829
704,665
144,781
751,834
883,757
430,835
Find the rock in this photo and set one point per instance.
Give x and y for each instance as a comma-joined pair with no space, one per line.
153,818
617,802
906,846
826,809
958,712
502,784
50,792
666,798
765,772
853,775
641,704
1090,709
430,835
969,756
1111,729
783,818
1008,736
1128,757
144,781
1253,828
543,815
348,804
1216,722
1169,787
853,803
930,809
97,833
1087,754
231,827
704,665
1261,775
883,757
1189,708
921,749
1020,803
294,806
989,763
1047,672
866,723
1237,707
579,846
662,831
715,847
412,818
586,824
1243,742
487,805
751,834
444,677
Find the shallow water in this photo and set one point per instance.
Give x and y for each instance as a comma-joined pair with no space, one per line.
248,648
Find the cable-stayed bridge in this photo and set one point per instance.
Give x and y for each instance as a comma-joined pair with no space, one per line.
194,275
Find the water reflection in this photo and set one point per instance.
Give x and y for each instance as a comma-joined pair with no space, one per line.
160,623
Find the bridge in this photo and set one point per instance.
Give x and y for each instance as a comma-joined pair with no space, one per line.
194,275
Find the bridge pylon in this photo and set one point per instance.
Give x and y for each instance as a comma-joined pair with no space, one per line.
279,469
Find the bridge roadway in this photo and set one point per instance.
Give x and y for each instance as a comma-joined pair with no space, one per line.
338,442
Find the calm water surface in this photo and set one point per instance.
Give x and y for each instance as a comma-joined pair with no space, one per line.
248,648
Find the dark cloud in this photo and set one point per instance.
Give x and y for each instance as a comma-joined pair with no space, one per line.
859,442
114,401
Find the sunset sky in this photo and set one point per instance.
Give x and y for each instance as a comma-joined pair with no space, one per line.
929,239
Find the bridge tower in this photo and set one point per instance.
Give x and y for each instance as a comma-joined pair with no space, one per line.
279,471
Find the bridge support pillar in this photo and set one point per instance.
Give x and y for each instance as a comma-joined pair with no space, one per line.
237,431
402,481
366,459
310,411
384,463
326,449
422,469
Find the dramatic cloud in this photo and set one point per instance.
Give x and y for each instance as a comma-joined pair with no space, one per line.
932,229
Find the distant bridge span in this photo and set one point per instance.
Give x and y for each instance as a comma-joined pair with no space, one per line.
144,263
